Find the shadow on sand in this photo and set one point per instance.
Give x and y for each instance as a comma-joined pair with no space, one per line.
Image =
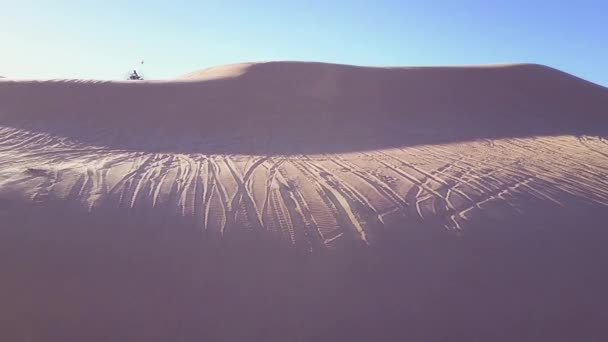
535,277
292,108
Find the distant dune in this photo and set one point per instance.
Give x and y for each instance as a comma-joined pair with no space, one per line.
306,202
291,107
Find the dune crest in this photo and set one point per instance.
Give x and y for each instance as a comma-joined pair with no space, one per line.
297,107
308,202
223,71
310,150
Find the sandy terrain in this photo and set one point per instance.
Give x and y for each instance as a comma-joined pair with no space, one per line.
291,201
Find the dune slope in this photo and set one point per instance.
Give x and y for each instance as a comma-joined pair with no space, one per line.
305,201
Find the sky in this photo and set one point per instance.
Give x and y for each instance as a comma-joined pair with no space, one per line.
106,39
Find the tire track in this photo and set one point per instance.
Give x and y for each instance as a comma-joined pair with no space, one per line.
269,184
242,195
347,214
221,191
381,187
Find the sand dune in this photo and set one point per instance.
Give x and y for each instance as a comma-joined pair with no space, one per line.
287,108
306,201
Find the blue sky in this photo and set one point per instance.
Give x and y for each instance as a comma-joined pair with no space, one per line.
104,39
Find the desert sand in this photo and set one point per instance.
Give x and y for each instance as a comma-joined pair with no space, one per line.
293,201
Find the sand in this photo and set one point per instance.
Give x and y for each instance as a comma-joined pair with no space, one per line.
306,202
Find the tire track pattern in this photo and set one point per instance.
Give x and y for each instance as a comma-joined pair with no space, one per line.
316,201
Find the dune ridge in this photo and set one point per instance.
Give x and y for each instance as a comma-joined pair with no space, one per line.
337,107
305,201
259,145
